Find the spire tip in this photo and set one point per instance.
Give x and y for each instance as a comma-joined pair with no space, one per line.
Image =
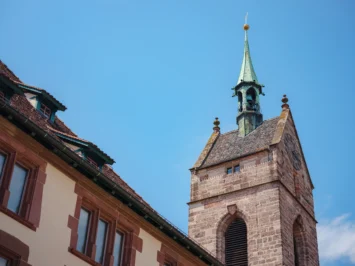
246,26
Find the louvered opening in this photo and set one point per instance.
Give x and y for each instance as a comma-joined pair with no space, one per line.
297,263
236,245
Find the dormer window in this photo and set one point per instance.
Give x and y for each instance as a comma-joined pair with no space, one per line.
2,96
45,110
92,162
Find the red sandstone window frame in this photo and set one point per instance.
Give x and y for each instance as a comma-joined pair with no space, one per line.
31,201
116,223
13,250
167,257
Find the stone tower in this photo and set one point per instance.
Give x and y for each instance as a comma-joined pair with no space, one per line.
251,192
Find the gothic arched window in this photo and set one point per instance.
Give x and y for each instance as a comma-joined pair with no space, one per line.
236,244
298,243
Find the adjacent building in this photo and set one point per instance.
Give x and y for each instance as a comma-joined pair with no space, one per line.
62,204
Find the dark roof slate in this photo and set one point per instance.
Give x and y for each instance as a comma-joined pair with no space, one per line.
230,146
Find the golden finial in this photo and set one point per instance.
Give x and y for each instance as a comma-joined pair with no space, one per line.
246,26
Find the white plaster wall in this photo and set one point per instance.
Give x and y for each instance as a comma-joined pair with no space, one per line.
32,101
49,244
151,246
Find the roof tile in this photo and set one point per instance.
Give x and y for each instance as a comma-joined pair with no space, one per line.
230,145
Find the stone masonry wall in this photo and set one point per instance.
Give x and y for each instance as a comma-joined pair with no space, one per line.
298,182
258,206
296,202
254,170
290,211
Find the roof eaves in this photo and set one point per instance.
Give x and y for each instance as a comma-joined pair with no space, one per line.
235,158
84,143
44,93
9,82
137,205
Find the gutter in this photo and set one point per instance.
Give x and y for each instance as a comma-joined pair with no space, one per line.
107,184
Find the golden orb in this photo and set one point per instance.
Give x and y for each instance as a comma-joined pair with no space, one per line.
246,27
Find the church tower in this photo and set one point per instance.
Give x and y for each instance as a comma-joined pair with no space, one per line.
251,200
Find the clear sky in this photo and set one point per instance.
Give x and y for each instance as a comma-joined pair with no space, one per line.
145,79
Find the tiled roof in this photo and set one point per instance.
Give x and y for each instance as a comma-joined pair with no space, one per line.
230,146
89,143
5,71
22,105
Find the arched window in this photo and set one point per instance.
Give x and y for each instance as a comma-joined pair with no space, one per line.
298,243
251,99
240,101
236,244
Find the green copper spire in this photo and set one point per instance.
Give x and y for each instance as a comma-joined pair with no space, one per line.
247,72
248,91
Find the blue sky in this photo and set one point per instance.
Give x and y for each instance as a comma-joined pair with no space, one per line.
145,79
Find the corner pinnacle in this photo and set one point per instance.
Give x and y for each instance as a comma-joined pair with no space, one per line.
216,127
285,103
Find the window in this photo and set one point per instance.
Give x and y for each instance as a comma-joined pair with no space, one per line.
83,230
234,169
21,185
299,247
100,235
107,240
2,97
236,245
117,250
237,169
4,262
2,163
101,241
91,161
12,250
45,110
17,186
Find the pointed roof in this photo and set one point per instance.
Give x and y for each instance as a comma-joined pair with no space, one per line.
247,72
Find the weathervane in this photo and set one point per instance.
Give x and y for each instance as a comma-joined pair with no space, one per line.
246,26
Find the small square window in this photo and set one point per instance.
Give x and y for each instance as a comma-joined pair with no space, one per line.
45,110
237,169
229,170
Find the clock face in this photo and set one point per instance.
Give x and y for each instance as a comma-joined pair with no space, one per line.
293,154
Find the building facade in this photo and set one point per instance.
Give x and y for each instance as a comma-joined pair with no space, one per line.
61,204
251,192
